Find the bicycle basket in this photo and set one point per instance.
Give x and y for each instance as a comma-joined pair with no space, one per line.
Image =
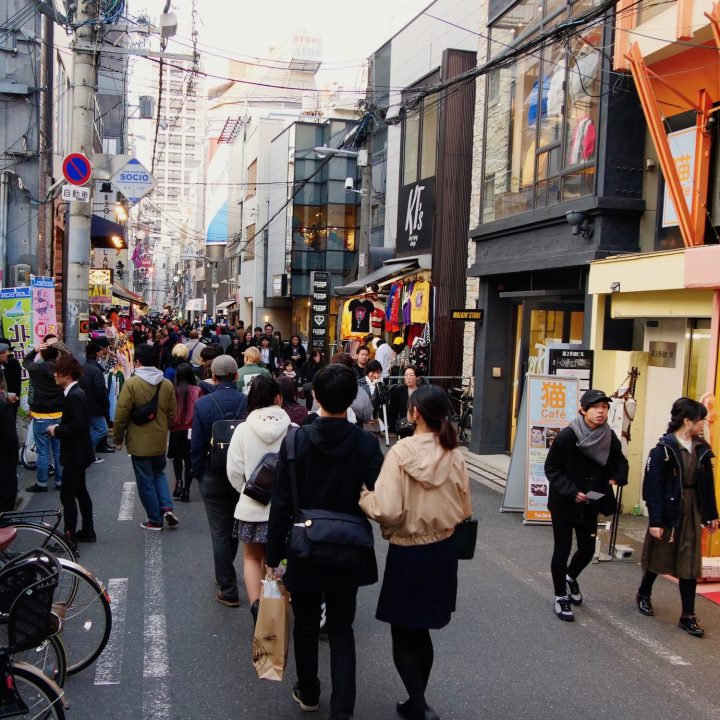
27,586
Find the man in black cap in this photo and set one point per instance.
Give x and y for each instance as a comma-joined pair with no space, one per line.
584,462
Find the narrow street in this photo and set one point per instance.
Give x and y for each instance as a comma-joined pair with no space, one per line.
176,653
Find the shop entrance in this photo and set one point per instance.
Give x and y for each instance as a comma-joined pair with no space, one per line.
536,324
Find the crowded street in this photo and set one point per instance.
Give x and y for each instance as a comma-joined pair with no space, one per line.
175,653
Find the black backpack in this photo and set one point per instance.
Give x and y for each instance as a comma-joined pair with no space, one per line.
220,437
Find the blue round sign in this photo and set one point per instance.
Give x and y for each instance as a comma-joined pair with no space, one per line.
77,169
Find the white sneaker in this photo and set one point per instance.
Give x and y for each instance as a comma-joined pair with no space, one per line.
171,518
563,609
574,593
98,460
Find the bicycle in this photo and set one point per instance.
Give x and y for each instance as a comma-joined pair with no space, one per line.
27,585
28,451
81,601
461,403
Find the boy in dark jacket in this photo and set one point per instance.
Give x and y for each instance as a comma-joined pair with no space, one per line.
96,391
584,462
333,459
8,450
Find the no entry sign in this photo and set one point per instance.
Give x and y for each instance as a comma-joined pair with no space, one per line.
77,169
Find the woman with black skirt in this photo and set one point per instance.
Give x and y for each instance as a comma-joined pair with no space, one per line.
421,495
679,491
187,392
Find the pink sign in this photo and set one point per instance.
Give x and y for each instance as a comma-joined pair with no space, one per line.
44,316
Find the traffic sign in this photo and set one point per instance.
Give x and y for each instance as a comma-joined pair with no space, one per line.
73,192
76,169
134,181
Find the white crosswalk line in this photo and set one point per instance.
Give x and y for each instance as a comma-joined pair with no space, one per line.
127,501
108,668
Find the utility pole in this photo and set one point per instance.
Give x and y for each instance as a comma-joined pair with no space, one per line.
365,217
81,135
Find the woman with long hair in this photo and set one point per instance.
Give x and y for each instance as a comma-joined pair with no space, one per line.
679,490
261,433
399,396
314,362
420,496
186,394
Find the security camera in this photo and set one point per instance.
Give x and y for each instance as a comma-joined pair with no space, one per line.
349,184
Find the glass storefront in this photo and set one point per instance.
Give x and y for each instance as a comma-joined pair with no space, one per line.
542,114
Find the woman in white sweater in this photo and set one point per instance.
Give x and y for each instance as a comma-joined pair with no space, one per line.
263,432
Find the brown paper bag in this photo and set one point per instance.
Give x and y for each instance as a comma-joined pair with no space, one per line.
272,632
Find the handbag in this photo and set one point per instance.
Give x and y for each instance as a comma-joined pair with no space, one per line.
259,485
145,413
466,539
326,537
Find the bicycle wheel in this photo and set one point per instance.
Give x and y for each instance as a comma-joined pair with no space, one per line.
28,456
49,658
42,696
33,535
83,605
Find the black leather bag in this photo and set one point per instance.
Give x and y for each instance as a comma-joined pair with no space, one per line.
147,412
259,485
466,539
326,537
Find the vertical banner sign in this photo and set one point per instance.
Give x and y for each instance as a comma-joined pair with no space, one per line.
319,308
16,313
682,147
552,404
43,306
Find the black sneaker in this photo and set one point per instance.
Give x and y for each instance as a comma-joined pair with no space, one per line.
644,605
37,488
563,609
304,704
574,593
690,626
85,536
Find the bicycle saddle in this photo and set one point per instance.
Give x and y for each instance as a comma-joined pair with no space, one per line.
7,535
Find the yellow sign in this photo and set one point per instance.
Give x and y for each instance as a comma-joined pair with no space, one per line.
467,315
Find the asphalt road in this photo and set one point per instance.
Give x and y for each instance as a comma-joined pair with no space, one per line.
177,654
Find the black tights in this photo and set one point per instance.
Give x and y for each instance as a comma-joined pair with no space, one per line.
687,591
178,469
413,656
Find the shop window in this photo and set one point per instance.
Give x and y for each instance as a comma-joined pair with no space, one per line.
541,117
419,144
251,180
428,149
309,230
411,134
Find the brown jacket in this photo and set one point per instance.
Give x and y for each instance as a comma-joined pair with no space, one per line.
151,439
421,494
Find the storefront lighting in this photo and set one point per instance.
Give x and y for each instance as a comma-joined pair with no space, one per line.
116,241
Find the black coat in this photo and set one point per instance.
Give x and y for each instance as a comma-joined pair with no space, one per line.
74,430
46,393
8,433
92,382
13,375
291,350
333,460
662,487
570,471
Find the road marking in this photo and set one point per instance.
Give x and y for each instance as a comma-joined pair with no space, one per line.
156,662
108,668
127,501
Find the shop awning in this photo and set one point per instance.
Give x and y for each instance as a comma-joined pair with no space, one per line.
223,306
105,233
390,268
124,294
195,305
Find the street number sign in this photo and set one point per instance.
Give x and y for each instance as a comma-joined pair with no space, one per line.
77,169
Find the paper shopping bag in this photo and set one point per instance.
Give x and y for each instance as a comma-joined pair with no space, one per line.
272,632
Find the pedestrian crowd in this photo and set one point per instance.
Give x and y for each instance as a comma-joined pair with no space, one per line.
296,483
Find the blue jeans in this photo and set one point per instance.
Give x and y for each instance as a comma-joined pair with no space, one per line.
98,429
43,443
152,485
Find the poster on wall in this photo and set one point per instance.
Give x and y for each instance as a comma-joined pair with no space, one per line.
16,313
682,147
552,403
44,319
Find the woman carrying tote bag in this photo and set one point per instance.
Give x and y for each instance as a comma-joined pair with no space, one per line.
421,495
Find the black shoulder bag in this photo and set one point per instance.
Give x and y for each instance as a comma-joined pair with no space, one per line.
325,537
145,413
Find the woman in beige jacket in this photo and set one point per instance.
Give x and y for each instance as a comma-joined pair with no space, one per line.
421,495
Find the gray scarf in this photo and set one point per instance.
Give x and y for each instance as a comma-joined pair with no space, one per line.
593,443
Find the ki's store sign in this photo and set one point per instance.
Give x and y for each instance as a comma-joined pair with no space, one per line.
319,308
416,214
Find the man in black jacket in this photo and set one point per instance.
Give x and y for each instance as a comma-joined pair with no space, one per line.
219,496
8,450
333,459
12,374
76,452
585,461
96,391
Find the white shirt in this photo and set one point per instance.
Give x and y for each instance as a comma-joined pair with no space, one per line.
70,387
384,355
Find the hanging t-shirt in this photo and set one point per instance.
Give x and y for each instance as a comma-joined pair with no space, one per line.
420,302
377,318
360,311
392,312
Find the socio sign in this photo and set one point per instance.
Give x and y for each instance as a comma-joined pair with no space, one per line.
134,181
319,308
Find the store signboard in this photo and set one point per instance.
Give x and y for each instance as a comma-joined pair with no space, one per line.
319,308
416,214
101,276
100,295
552,403
572,362
43,304
682,147
279,285
16,314
662,354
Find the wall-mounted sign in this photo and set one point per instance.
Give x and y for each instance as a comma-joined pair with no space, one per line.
682,147
467,315
416,213
279,286
100,295
73,193
662,354
577,363
101,276
319,308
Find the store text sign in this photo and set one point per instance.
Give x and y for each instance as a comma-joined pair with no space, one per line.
319,308
416,215
467,315
552,405
682,147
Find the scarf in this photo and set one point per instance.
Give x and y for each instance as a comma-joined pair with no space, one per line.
595,444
